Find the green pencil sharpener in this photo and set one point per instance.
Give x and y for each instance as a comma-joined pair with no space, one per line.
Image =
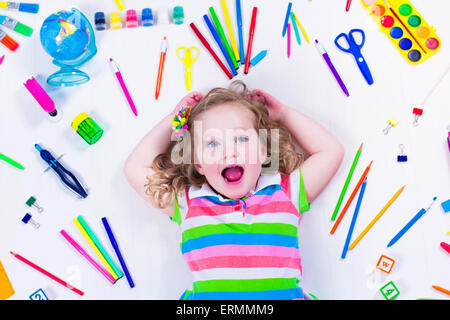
87,128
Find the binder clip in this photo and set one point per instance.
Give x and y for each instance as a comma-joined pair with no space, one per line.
27,218
402,157
32,202
417,113
391,123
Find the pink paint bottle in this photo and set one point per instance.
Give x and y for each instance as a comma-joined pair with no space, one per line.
131,21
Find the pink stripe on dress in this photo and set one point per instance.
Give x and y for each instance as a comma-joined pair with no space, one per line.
242,250
244,262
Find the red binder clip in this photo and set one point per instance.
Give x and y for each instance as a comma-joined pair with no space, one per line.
417,113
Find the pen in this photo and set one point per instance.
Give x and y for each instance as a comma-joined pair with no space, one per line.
116,248
327,59
250,40
122,85
240,35
410,224
11,162
162,58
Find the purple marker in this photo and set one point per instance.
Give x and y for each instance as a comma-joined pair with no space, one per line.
324,54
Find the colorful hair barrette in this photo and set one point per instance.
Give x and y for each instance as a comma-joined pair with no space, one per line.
179,122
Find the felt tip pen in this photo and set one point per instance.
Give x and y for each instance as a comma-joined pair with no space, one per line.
240,34
162,59
19,6
123,86
250,39
410,223
327,59
7,41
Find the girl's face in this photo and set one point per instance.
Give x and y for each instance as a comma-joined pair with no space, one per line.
228,151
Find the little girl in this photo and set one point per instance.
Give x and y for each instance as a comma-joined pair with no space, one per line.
233,182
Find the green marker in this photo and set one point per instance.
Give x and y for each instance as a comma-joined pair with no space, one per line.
15,25
294,23
100,247
347,182
224,39
11,162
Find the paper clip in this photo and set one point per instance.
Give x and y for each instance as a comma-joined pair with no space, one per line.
402,157
391,123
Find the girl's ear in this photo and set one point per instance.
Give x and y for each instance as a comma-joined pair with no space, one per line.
199,169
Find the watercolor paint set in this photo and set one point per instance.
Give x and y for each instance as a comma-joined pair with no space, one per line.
413,37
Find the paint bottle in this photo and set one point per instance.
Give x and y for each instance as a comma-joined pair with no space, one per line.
100,21
115,21
147,17
131,20
87,128
178,15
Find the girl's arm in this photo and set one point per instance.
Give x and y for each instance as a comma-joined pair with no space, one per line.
156,141
325,150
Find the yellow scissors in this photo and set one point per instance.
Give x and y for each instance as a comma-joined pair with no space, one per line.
185,55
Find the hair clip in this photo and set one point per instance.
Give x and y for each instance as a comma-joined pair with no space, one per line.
179,122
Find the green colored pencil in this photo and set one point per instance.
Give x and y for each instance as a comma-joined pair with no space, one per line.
99,246
11,162
347,182
294,23
222,35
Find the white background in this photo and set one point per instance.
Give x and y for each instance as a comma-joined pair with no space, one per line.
149,240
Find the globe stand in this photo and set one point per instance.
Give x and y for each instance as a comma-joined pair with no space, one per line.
68,77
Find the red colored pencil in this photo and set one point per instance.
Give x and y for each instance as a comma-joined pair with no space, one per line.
211,51
352,196
48,274
250,40
349,2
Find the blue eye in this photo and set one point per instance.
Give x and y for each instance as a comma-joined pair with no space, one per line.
242,139
212,144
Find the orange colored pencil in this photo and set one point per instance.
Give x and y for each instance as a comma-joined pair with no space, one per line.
352,196
447,292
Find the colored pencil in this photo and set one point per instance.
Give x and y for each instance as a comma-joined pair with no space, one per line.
355,215
11,162
294,25
94,247
210,50
116,248
219,43
370,225
350,199
447,292
250,40
223,37
289,40
226,15
240,34
48,274
99,246
87,256
301,28
410,224
347,7
286,19
2,58
347,181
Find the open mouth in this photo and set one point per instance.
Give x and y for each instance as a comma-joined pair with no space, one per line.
233,174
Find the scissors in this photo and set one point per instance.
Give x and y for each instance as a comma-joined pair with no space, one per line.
185,55
355,49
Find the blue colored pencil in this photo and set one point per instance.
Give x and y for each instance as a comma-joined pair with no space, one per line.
286,20
410,224
355,215
241,37
219,42
117,250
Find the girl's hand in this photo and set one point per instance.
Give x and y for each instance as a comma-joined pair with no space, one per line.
191,99
275,107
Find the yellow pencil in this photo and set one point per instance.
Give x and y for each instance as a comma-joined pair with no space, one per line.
93,246
230,30
301,28
370,225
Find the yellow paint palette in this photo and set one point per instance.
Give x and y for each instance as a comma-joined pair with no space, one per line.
413,37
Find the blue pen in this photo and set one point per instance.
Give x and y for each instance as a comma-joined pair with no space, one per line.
116,248
219,42
355,215
410,223
286,20
241,37
258,57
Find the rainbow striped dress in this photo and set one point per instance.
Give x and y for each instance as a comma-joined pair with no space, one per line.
243,248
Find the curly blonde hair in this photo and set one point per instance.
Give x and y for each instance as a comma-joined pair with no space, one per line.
170,177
